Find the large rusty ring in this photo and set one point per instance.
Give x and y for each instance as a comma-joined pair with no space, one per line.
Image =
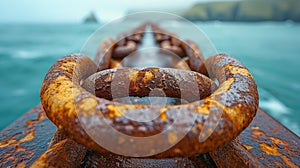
235,101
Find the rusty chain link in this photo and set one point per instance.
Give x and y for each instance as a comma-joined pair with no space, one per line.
77,92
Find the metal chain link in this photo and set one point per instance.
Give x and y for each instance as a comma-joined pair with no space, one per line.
111,52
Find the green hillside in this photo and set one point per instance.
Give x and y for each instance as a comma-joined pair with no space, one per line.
247,10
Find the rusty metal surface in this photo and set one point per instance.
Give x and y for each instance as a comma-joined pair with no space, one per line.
24,143
265,143
62,152
26,139
216,120
65,153
236,100
97,160
102,83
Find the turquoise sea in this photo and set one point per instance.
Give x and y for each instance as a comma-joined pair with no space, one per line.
270,50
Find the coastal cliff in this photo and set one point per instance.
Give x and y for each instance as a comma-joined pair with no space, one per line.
247,10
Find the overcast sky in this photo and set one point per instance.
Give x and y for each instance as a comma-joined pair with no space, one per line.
76,10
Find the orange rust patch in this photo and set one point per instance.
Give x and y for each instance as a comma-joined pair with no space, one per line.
12,142
67,65
8,141
256,132
273,150
233,113
279,141
88,104
40,118
224,87
28,137
155,69
163,117
17,144
240,70
148,76
133,74
203,110
116,111
287,161
269,150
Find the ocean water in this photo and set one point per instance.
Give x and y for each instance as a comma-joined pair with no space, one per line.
270,50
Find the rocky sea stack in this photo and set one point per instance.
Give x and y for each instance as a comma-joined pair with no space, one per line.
91,18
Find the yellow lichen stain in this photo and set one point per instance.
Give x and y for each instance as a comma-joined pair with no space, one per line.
12,142
28,137
240,70
224,87
148,76
163,115
40,118
60,94
7,142
109,77
88,104
269,150
273,150
203,110
172,138
236,116
284,143
66,66
155,69
133,74
279,141
116,111
42,161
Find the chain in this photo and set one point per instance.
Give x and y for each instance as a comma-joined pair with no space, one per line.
110,52
77,88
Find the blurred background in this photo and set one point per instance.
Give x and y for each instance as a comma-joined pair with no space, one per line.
263,34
